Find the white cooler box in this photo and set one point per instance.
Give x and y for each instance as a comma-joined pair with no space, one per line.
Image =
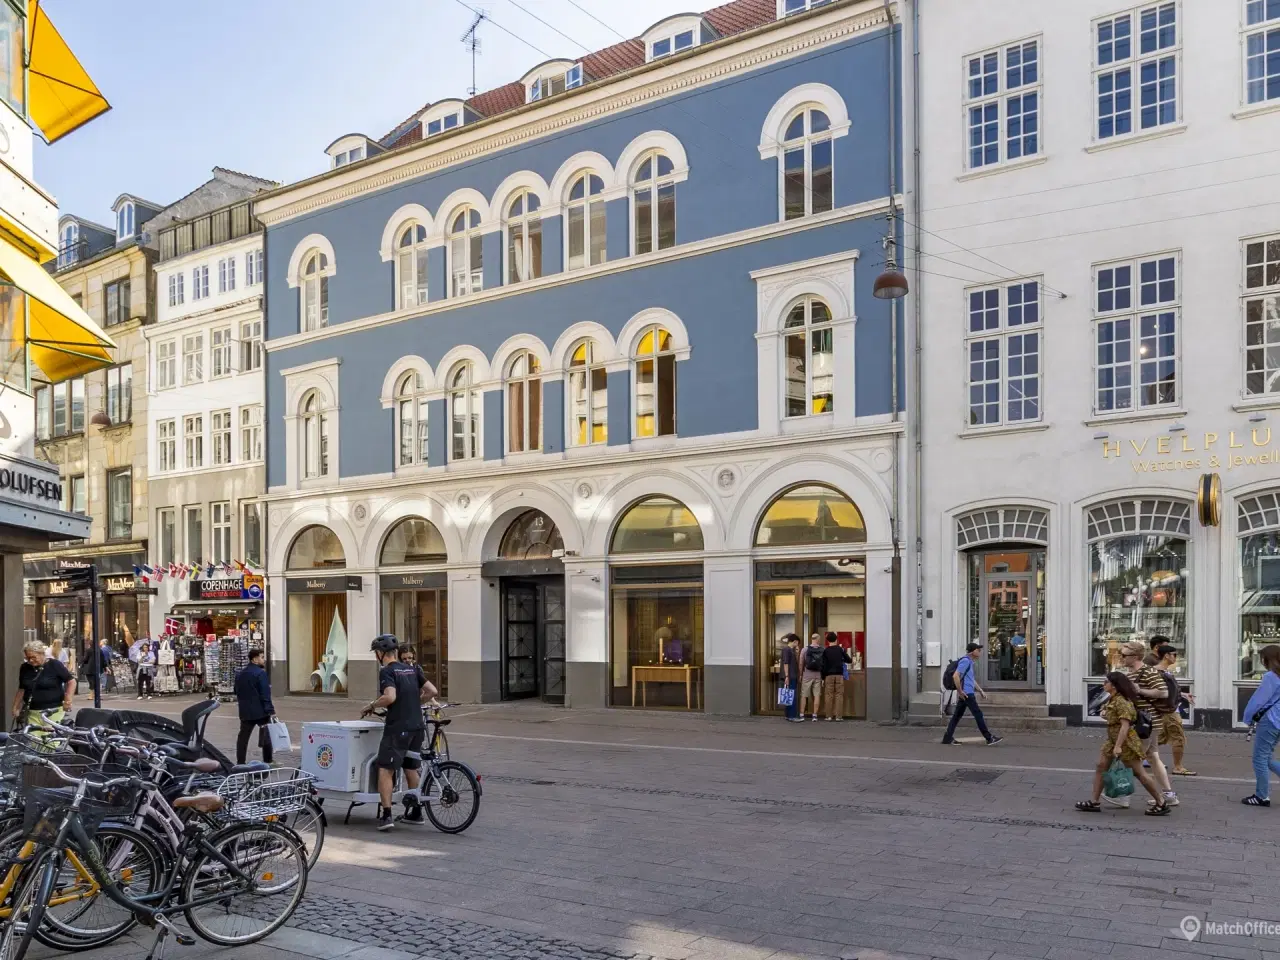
338,753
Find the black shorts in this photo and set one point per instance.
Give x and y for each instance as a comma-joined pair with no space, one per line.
401,748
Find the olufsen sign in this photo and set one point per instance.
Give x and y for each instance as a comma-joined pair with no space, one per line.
30,481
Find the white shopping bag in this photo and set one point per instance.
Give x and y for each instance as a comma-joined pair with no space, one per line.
278,731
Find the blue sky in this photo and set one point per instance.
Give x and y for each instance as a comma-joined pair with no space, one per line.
263,86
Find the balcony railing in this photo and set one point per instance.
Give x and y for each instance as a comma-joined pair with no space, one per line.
72,253
229,223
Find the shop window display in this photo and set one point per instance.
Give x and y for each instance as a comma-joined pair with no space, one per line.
1138,589
811,514
413,540
1259,600
317,614
656,631
657,524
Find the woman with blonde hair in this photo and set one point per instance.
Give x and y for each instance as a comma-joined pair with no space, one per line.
44,685
1263,714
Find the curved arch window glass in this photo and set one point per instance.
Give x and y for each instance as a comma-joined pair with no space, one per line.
806,164
1139,578
653,193
465,404
412,540
315,437
811,514
315,548
808,359
411,266
1259,580
1003,524
411,421
655,525
524,238
315,292
586,222
524,403
466,253
588,397
531,536
655,384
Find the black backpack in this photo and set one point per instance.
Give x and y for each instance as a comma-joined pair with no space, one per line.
1175,692
1143,725
949,675
812,658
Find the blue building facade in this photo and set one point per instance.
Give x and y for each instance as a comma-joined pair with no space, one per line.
588,398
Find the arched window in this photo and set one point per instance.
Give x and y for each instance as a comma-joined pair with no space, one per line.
411,266
315,437
524,403
466,253
655,384
653,203
531,536
412,540
586,222
588,397
464,410
411,421
806,164
811,514
315,292
807,358
315,548
524,237
657,524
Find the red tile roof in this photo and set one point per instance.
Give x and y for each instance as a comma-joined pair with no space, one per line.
727,19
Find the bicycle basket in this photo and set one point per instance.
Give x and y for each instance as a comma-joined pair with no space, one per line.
47,797
265,793
15,753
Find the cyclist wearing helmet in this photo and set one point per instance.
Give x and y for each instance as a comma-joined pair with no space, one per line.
404,688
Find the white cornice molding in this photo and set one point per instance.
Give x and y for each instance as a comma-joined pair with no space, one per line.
777,41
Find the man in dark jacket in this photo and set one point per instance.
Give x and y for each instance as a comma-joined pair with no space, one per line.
253,697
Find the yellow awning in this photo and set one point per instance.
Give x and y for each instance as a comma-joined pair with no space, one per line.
62,340
61,96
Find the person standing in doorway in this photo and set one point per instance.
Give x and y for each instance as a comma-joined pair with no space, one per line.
1151,691
811,677
1171,731
967,692
790,662
1262,712
253,701
834,659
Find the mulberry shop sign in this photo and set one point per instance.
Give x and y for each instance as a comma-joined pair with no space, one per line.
1233,450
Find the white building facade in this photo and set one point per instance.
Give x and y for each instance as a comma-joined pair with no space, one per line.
1099,304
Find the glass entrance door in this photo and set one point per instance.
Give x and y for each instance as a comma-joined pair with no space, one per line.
420,618
533,639
1009,597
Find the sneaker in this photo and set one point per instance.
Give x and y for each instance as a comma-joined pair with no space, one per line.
139,696
1121,802
795,719
814,718
831,719
412,815
993,741
1253,800
385,819
1171,799
951,743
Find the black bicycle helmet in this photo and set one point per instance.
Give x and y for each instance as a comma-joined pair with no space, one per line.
385,643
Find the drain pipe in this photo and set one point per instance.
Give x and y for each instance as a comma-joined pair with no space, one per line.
917,376
895,683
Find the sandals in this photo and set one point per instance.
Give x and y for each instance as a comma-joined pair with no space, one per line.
1253,800
1088,806
1161,809
1183,773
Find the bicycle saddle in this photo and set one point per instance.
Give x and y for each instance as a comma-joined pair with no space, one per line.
254,767
201,802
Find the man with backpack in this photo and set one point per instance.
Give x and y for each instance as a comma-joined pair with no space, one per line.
811,678
1152,691
1171,731
965,684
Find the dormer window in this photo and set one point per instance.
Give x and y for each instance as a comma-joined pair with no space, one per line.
676,35
125,221
349,149
574,77
349,156
669,45
546,87
442,116
552,78
68,244
442,123
789,7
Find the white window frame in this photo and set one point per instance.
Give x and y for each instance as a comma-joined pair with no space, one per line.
166,530
250,345
166,364
583,373
808,330
193,441
543,87
313,437
1257,30
313,287
466,269
200,282
254,508
119,528
1134,63
125,225
587,204
447,121
806,142
654,185
574,77
220,437
220,357
522,389
521,227
411,266
220,530
1014,319
226,275
466,425
194,552
411,421
654,356
1002,98
787,8
251,433
193,358
1130,308
1260,257
177,283
166,445
252,268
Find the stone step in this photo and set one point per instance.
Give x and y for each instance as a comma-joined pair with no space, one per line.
1015,696
999,724
989,709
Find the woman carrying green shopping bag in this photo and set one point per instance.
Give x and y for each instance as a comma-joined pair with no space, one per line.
1122,745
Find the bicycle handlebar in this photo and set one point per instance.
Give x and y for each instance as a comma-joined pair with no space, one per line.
83,781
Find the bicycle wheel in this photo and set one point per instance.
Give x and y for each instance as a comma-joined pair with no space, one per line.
255,900
26,907
80,915
309,824
440,745
453,796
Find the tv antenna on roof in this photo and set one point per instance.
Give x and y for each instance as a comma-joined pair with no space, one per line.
473,44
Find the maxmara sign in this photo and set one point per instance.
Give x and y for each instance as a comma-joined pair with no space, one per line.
1243,449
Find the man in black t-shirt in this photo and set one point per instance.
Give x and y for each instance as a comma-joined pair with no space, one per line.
44,684
403,688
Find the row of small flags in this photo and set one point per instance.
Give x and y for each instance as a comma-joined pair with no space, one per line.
180,571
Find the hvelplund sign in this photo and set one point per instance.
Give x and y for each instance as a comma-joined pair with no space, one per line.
1235,449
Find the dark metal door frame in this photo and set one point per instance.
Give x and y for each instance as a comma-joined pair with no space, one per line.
541,641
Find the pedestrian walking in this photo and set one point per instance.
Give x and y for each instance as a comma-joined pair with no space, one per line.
103,654
834,659
790,662
1151,692
1171,731
1263,713
811,677
253,701
146,671
1123,744
967,691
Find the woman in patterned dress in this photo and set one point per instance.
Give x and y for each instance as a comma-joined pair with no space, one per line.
1122,744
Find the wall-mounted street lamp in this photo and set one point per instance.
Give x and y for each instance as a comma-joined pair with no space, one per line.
100,419
891,284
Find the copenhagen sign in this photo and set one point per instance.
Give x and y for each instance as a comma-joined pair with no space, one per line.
1236,449
248,587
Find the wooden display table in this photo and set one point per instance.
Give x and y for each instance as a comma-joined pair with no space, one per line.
667,673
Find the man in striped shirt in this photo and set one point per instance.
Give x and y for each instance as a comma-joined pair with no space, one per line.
1151,690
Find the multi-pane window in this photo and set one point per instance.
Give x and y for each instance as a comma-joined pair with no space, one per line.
799,6
115,298
588,397
466,253
252,267
77,494
315,292
200,282
808,355
1136,70
167,524
167,444
193,521
411,421
220,352
119,391
220,517
1136,307
1002,104
586,222
411,266
524,403
655,379
119,504
464,411
653,204
524,237
251,433
806,164
545,87
1002,343
193,440
166,364
447,122
125,217
220,435
251,532
226,274
1262,316
193,358
1261,50
315,437
60,409
250,345
176,294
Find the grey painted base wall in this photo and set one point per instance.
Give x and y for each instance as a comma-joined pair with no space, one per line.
475,681
587,684
727,690
880,693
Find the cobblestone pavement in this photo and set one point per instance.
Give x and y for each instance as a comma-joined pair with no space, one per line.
617,834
